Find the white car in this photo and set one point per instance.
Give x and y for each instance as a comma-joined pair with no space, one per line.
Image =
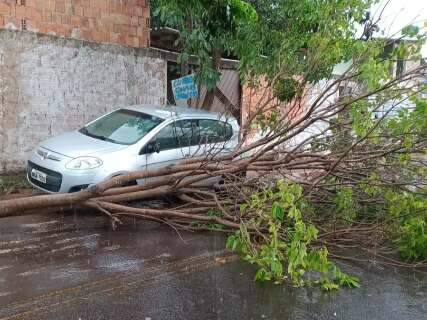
125,140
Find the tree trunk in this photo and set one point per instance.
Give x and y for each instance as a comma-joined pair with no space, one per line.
216,65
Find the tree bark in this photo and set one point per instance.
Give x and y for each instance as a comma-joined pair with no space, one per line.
216,65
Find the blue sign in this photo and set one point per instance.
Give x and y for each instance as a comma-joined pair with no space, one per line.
184,88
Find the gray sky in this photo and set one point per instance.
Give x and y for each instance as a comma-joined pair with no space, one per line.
400,13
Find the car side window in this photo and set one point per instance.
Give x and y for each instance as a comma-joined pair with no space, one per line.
186,131
167,138
213,131
182,133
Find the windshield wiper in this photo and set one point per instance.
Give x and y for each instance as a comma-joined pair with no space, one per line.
90,134
86,132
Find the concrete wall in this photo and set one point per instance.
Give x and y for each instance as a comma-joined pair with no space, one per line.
50,85
125,22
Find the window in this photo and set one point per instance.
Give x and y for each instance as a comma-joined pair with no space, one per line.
186,133
166,138
212,131
122,127
178,135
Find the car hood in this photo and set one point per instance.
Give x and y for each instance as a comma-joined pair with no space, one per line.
75,144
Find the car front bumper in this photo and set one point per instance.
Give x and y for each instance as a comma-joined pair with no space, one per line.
59,179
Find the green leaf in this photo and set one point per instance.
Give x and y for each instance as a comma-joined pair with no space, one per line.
294,213
277,211
410,30
262,275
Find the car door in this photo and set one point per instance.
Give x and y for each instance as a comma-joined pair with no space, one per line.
210,139
213,137
169,146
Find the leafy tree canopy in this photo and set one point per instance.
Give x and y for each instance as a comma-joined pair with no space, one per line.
266,34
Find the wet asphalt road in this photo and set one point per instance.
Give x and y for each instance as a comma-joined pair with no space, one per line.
75,267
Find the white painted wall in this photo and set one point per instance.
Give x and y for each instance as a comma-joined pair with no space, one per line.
50,85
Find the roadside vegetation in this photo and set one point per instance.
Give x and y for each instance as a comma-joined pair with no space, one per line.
13,184
339,166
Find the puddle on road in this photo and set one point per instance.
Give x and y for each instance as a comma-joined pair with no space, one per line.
74,274
117,263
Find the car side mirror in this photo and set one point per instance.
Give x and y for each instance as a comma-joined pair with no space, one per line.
151,147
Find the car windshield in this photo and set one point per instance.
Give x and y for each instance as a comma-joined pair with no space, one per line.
122,126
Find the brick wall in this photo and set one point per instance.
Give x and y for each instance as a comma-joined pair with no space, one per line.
50,85
260,99
123,22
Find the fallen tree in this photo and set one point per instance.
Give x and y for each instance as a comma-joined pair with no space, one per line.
289,203
337,164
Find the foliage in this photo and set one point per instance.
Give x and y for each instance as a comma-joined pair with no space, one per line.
206,28
408,220
298,37
344,202
303,38
10,183
368,165
288,248
412,237
287,89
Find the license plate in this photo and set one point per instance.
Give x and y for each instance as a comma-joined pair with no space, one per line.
38,175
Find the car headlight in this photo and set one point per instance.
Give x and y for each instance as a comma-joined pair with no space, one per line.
84,163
